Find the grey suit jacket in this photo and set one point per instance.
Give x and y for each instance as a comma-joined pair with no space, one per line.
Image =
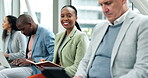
129,57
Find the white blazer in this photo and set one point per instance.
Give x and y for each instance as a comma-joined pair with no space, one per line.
18,46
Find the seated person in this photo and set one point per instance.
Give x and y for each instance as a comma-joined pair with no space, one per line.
40,46
119,45
70,45
14,42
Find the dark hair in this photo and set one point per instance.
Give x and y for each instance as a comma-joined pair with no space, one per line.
76,23
12,21
24,19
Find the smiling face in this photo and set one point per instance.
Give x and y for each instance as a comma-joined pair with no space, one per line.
113,9
6,25
68,17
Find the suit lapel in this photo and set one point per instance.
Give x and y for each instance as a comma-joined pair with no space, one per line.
60,37
57,44
98,36
69,37
126,24
60,40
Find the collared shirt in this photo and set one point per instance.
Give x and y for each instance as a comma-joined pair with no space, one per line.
120,19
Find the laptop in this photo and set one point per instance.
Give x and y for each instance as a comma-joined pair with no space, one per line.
55,72
4,61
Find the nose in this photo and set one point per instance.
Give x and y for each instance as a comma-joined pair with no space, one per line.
65,18
104,8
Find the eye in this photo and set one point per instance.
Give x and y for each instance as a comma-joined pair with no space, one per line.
69,15
62,16
107,3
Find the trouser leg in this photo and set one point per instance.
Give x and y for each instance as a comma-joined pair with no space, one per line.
18,72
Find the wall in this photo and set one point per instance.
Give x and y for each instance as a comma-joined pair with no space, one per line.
1,20
58,4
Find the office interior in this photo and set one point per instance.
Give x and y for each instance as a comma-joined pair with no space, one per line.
47,12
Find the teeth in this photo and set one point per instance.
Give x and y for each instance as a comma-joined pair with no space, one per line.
65,23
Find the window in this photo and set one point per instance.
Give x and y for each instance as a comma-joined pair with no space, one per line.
89,14
43,11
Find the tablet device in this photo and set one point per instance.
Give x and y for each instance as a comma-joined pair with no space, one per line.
55,72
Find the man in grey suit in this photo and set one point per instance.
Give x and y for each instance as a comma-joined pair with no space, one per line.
119,46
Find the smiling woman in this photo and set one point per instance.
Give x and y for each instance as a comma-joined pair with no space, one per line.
70,45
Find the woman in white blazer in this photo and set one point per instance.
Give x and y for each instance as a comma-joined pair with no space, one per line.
14,42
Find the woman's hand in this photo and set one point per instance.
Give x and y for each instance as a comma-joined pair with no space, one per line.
42,60
41,67
6,55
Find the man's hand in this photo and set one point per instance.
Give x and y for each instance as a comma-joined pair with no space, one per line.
21,62
77,77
